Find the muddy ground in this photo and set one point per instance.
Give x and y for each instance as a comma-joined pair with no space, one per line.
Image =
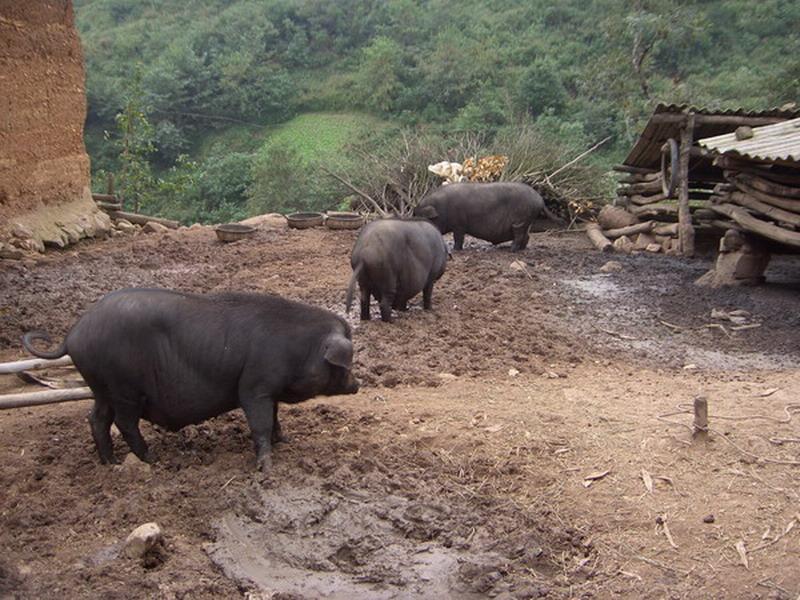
460,469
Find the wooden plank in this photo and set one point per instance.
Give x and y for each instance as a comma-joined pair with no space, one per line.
685,228
33,363
762,228
46,397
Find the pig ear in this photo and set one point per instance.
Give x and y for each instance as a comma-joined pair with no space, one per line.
428,212
339,351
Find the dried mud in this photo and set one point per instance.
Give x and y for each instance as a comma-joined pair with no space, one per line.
445,476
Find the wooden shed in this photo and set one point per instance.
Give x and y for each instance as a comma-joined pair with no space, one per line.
669,177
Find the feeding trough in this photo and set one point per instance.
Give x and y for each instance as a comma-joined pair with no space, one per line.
231,232
305,220
344,220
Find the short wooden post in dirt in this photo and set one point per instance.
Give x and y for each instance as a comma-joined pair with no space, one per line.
685,227
700,419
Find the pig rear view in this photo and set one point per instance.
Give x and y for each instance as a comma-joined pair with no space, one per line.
177,359
394,260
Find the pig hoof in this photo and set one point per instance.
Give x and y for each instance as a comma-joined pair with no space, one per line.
281,439
264,464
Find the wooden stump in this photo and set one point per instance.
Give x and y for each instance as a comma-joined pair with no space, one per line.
700,432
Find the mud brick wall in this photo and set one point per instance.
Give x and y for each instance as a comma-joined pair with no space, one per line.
44,169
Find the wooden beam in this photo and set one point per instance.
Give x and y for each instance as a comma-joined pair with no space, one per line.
629,169
33,363
685,228
762,228
46,397
731,120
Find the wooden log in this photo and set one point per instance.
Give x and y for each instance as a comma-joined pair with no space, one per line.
728,120
105,198
33,363
614,217
142,219
107,206
642,200
762,228
600,241
762,170
768,210
768,187
47,397
784,203
700,431
639,178
671,229
645,227
629,169
647,187
685,228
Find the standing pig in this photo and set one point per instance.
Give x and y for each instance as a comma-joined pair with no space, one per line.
495,212
177,359
393,260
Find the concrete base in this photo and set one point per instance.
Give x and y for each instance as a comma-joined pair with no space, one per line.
741,261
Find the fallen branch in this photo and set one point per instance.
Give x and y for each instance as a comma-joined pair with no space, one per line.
33,363
577,158
48,397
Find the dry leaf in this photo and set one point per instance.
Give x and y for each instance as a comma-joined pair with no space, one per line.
648,481
742,554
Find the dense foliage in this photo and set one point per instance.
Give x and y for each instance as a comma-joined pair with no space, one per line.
584,70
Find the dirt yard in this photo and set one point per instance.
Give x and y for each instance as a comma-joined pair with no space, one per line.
527,438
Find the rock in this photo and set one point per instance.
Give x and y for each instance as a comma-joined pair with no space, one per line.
11,252
153,227
512,372
519,266
197,226
654,248
143,539
133,466
447,377
73,233
643,240
267,221
611,266
102,224
623,244
18,230
709,519
125,226
614,217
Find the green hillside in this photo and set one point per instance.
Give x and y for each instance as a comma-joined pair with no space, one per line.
205,71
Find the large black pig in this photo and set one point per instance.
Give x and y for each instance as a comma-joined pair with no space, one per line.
394,260
495,212
176,359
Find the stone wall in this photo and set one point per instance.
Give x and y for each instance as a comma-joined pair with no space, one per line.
45,198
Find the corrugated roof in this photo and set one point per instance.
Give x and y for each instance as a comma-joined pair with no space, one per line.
646,152
770,142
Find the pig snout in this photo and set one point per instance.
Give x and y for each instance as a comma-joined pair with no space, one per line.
350,384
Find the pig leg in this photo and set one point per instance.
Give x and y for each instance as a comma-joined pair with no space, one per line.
427,296
458,239
277,432
387,299
364,303
100,420
127,411
261,411
520,232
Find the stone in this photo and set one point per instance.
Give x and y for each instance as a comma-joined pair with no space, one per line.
73,233
623,244
153,227
512,372
267,221
612,266
125,226
447,377
654,248
614,217
643,240
18,230
102,224
133,466
11,252
143,539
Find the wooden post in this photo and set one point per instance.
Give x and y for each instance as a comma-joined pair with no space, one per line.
110,185
685,228
700,418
